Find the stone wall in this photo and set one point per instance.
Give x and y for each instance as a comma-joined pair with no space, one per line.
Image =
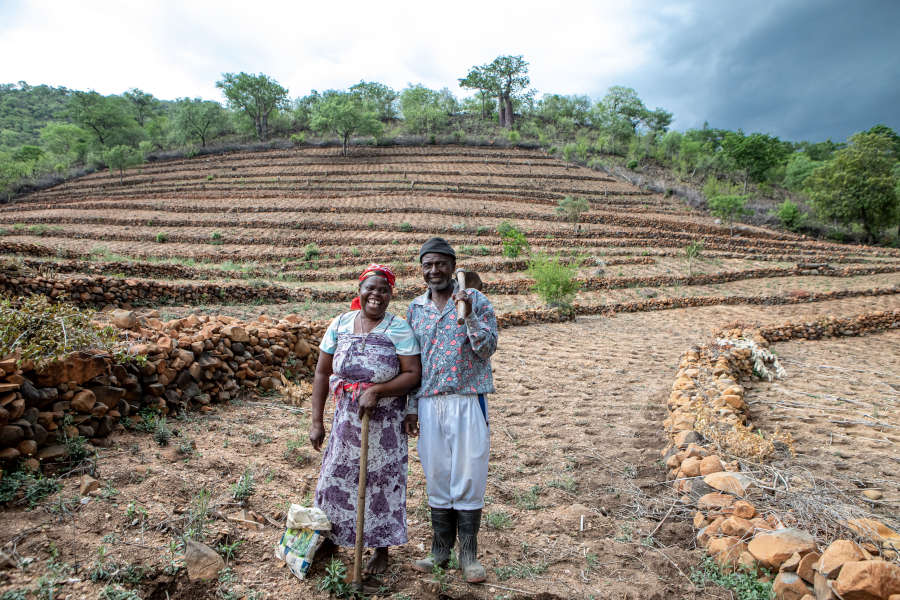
174,366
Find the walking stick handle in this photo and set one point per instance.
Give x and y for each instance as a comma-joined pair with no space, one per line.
361,500
461,305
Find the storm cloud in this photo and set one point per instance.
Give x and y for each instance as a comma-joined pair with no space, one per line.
798,70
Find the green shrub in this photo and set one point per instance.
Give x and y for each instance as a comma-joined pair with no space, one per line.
554,280
632,164
790,215
244,488
216,238
514,136
298,139
692,251
729,208
459,136
33,488
745,586
571,208
311,251
514,242
162,237
161,432
404,226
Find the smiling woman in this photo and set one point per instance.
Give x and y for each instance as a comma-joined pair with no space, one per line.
369,359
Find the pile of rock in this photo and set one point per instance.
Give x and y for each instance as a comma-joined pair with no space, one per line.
175,365
708,396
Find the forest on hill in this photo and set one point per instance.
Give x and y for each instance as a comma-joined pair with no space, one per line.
844,190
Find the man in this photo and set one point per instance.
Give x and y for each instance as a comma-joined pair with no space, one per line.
450,406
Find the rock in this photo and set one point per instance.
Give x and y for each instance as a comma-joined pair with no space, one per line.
202,562
236,333
737,527
733,483
11,435
875,530
822,587
772,549
84,401
873,494
743,509
726,551
868,580
88,485
9,454
123,319
791,564
52,452
836,555
27,447
683,438
714,500
789,586
806,567
302,348
108,395
690,467
710,464
77,368
699,520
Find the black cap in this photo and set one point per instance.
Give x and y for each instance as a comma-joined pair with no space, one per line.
439,245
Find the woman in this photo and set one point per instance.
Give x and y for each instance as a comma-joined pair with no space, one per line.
369,359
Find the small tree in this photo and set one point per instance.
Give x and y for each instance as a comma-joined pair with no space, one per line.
11,172
254,95
729,208
345,114
514,242
199,119
572,208
120,158
790,215
554,281
692,251
858,185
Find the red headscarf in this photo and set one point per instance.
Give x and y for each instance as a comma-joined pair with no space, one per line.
375,269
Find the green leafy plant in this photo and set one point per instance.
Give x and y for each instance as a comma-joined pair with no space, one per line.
692,251
245,486
406,227
161,432
554,280
216,238
333,580
514,242
311,251
21,487
162,237
571,209
529,500
729,208
497,520
790,215
745,586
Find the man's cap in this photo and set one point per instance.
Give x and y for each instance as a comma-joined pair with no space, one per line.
436,244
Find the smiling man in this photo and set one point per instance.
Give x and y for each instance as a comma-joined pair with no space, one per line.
450,407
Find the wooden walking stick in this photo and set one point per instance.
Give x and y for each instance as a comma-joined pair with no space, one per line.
361,502
461,305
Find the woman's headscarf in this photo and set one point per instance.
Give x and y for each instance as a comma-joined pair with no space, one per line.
374,269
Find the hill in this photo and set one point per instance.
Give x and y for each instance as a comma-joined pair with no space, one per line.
586,421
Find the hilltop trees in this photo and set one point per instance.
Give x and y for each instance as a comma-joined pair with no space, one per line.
344,114
379,97
426,111
105,117
754,154
859,184
505,78
199,119
256,96
143,105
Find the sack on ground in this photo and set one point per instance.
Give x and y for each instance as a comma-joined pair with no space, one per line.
306,529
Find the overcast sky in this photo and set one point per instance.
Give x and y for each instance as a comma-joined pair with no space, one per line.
799,70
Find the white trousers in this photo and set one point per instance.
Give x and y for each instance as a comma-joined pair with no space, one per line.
454,447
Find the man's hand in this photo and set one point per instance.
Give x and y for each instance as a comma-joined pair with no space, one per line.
411,425
368,400
464,296
316,435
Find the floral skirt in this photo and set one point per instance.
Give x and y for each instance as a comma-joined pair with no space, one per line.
338,487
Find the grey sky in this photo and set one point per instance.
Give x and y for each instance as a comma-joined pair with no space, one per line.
799,70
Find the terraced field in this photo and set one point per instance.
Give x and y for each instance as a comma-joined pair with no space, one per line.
577,426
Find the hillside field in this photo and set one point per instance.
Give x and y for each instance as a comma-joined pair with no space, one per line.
577,502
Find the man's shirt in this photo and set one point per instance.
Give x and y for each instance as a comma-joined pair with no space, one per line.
456,359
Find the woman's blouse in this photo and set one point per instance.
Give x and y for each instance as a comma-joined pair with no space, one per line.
395,328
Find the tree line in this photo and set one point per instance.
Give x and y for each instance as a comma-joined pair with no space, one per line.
854,184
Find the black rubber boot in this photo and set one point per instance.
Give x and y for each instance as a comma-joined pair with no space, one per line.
443,525
468,523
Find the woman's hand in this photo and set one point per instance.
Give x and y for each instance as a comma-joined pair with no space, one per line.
316,435
368,400
411,425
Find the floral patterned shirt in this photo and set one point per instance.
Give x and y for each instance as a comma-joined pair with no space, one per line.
456,359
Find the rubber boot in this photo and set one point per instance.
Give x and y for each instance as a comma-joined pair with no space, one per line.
468,523
443,525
